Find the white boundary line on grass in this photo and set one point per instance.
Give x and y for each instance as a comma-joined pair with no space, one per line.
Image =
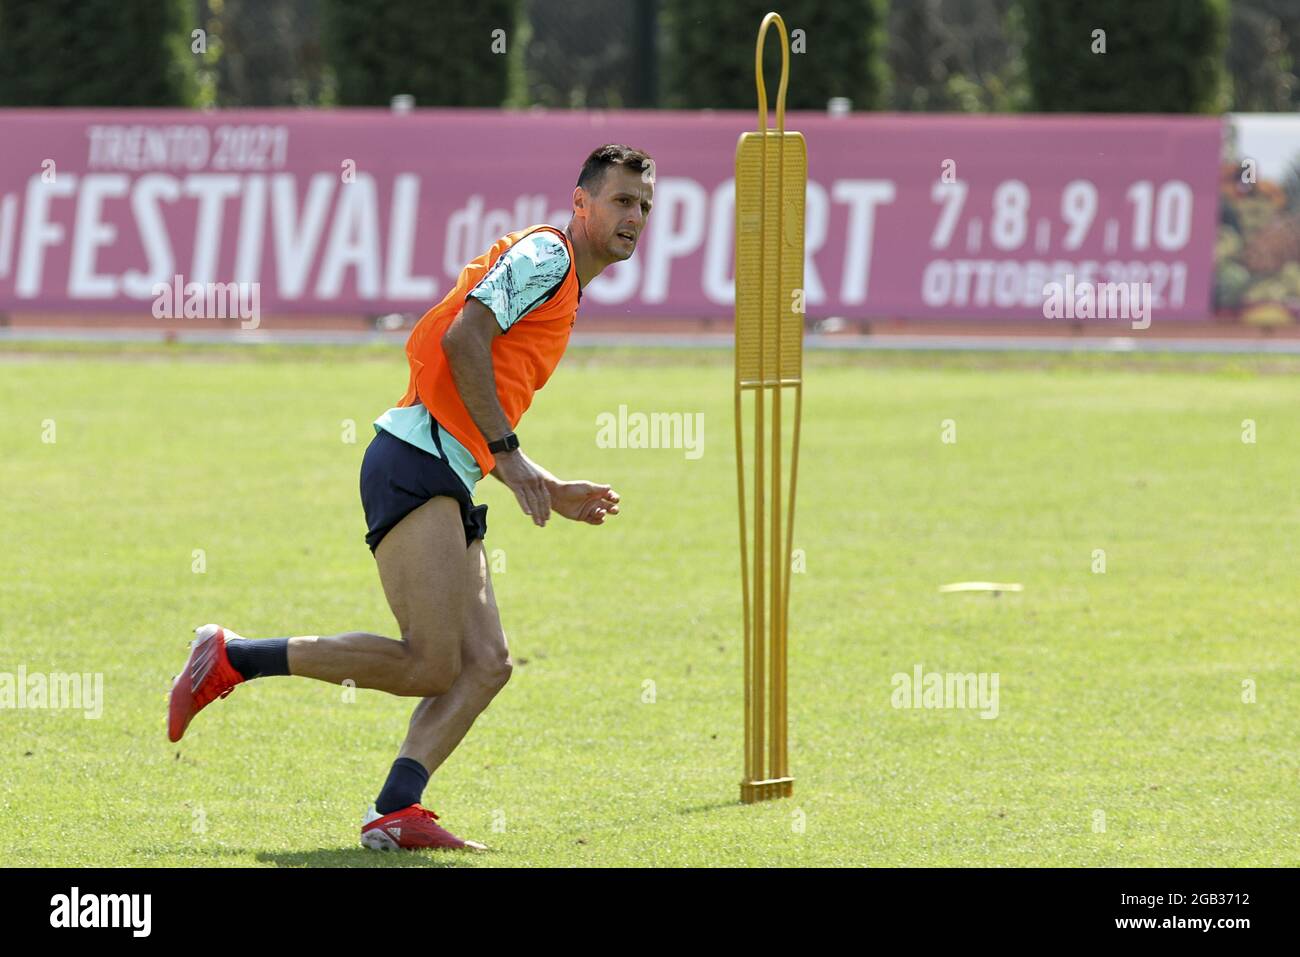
897,343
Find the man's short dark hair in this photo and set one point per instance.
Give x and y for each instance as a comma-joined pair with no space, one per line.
602,158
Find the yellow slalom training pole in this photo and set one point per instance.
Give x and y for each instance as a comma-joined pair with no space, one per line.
771,181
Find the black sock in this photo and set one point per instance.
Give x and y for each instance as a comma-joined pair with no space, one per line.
404,786
259,657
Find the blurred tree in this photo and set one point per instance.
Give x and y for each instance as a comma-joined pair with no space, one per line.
569,64
918,47
262,53
96,53
442,54
957,55
1263,50
1161,56
710,57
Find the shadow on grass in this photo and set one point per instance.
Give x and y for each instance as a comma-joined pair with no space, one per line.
360,857
715,806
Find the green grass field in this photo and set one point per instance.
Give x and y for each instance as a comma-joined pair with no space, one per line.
1121,694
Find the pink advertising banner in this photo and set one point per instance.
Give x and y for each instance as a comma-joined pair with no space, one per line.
369,211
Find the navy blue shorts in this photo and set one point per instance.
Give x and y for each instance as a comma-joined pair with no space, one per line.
397,478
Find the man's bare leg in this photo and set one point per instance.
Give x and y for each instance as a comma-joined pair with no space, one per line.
422,568
439,723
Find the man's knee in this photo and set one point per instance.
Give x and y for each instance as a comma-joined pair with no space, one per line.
492,669
501,672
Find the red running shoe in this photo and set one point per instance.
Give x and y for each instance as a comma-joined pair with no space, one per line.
207,676
411,828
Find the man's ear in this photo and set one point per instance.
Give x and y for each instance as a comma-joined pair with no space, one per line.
579,200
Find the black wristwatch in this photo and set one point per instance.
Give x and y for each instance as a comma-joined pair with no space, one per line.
507,443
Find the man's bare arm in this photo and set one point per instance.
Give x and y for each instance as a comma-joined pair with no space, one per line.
468,346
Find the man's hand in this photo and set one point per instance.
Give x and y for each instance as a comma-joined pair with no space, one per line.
584,501
529,481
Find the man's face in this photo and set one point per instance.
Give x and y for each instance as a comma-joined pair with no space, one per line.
617,214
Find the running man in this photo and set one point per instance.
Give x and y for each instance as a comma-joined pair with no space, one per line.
476,359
